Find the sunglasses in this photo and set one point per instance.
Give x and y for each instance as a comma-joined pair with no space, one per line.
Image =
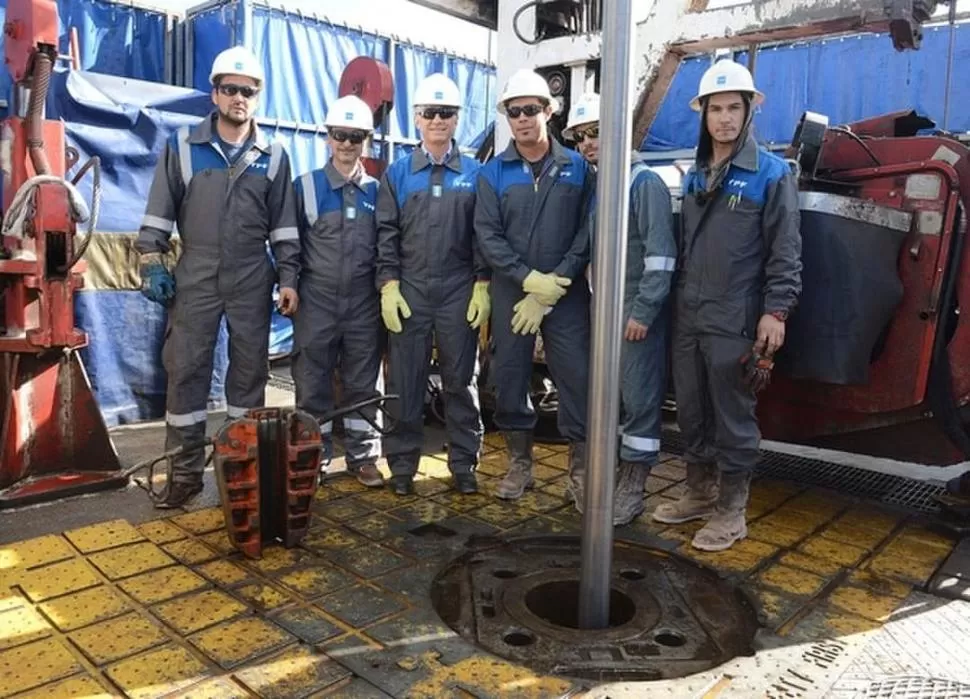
530,110
445,113
246,91
580,136
355,137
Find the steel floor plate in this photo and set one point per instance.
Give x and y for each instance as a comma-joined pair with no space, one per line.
165,608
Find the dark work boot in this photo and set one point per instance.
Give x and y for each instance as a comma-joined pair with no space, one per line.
700,500
466,483
402,484
186,469
519,476
577,474
728,524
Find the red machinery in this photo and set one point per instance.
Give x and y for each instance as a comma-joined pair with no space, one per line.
53,440
875,348
371,80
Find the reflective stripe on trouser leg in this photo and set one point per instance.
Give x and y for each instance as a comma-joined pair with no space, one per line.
737,436
510,370
457,345
187,356
361,379
565,337
643,382
409,357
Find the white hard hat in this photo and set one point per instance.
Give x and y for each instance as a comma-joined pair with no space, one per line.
350,112
237,60
526,83
726,76
439,90
585,111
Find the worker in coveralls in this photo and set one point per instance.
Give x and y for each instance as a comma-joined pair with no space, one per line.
230,192
339,321
739,278
531,218
651,256
434,286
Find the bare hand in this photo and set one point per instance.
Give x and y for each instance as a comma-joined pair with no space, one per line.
771,335
289,301
635,332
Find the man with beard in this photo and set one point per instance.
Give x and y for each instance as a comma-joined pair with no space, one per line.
650,261
430,274
531,219
739,278
338,323
229,191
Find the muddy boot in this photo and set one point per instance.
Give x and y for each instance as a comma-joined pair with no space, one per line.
576,488
700,500
628,497
519,476
367,474
727,525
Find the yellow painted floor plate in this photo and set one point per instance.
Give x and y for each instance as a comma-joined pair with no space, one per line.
168,608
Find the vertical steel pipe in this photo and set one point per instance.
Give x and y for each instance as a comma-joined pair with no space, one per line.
609,265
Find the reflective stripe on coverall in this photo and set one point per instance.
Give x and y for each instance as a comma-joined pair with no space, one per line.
522,226
651,257
338,323
426,240
225,216
740,257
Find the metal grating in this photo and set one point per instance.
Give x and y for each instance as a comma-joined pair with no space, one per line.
869,485
917,688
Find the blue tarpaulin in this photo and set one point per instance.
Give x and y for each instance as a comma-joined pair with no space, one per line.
846,79
113,38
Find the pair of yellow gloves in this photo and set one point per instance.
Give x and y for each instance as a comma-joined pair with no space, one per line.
542,293
393,306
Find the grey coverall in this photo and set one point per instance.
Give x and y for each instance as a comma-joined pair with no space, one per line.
651,257
523,225
225,215
338,322
739,258
426,240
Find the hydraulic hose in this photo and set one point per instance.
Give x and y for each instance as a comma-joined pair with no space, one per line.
43,65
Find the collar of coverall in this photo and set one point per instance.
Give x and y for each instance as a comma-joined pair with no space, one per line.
337,180
419,160
205,132
558,152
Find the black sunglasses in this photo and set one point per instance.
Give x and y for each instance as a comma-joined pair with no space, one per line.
530,110
592,132
230,90
355,137
445,113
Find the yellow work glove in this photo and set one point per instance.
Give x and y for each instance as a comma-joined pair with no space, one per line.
479,306
393,303
528,316
547,288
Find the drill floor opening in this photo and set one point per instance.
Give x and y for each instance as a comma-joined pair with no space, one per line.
557,602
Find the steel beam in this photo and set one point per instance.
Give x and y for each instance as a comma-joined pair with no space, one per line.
481,12
662,45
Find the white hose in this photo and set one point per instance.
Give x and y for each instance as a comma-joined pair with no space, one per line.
16,218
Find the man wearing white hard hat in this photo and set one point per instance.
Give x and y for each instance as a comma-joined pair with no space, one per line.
651,257
739,278
230,192
531,218
434,288
338,326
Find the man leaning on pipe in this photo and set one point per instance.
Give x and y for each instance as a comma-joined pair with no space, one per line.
651,256
739,276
